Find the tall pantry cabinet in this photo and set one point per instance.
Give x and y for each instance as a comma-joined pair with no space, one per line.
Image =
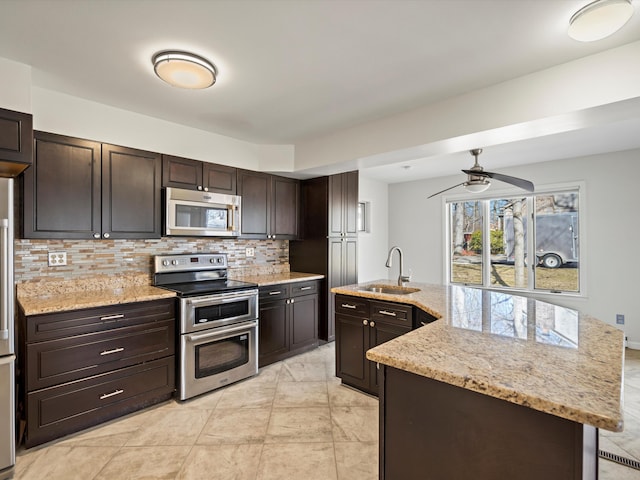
328,242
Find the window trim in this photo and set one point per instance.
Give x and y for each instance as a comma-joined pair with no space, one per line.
498,193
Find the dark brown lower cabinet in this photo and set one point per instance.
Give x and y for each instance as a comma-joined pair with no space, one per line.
82,367
288,320
430,429
362,324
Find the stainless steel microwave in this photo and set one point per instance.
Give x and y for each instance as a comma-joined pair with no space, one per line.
201,214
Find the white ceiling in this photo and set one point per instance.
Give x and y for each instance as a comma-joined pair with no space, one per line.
291,70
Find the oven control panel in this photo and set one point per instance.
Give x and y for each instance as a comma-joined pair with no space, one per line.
190,262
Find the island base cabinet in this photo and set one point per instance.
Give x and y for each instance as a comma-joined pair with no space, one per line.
430,429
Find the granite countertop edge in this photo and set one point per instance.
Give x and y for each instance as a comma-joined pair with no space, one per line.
410,352
61,299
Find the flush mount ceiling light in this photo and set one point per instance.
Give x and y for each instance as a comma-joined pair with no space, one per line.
599,19
184,69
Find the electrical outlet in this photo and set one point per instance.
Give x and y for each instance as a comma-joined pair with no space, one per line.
620,319
57,259
250,252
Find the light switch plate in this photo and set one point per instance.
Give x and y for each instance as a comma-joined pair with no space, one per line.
57,259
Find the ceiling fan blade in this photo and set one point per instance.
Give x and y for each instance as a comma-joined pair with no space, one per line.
446,190
518,182
477,173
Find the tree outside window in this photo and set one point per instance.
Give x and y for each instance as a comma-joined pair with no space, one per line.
491,241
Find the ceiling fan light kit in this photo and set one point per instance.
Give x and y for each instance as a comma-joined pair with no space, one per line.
599,19
184,69
478,179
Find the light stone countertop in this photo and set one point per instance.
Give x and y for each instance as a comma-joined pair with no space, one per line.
275,278
57,296
101,290
531,353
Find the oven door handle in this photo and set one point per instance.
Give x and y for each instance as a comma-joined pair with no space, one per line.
219,299
216,332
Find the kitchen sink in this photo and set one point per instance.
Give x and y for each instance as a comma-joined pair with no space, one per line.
390,289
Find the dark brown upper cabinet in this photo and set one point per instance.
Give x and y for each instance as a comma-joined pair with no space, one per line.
84,189
16,142
343,204
190,174
269,205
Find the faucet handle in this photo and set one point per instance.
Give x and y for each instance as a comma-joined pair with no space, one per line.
405,278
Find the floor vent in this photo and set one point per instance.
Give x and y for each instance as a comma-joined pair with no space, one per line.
612,457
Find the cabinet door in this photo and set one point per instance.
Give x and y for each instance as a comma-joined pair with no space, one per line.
62,193
285,196
273,332
380,332
350,203
219,178
16,142
254,189
131,182
304,321
352,341
180,172
336,221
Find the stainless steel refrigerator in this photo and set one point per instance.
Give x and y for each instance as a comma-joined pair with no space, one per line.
7,327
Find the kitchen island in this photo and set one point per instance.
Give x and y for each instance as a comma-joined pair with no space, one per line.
500,386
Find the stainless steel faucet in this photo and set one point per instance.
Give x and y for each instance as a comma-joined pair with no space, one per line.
402,279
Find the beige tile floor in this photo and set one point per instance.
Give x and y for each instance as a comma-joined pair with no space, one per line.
292,421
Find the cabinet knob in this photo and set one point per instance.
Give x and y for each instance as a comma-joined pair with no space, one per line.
206,189
372,324
365,322
199,187
106,235
96,235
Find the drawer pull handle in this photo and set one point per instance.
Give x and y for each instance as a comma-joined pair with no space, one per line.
305,288
346,305
112,317
112,394
388,314
424,324
115,350
275,293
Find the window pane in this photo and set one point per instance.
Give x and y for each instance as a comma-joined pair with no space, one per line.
508,237
556,242
466,242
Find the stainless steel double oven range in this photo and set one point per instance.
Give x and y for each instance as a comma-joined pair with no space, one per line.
218,321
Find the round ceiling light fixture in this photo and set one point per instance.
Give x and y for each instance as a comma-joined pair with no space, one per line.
599,19
184,69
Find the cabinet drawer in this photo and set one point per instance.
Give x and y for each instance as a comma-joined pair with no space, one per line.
68,359
274,292
354,306
57,411
304,288
392,313
66,324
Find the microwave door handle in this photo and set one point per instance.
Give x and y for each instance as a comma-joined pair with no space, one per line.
231,215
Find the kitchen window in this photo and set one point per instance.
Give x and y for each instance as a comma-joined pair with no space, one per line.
524,242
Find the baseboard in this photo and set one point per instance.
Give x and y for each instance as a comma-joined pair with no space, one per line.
633,345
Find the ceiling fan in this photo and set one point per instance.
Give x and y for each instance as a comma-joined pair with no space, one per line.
478,179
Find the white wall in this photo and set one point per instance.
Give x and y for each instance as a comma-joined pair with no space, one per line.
15,93
609,234
373,245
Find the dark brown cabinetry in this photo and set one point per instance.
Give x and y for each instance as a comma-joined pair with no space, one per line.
16,142
190,174
430,429
362,324
83,189
82,367
329,243
269,205
288,320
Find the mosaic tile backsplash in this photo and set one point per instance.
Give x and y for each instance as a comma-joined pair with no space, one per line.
134,258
